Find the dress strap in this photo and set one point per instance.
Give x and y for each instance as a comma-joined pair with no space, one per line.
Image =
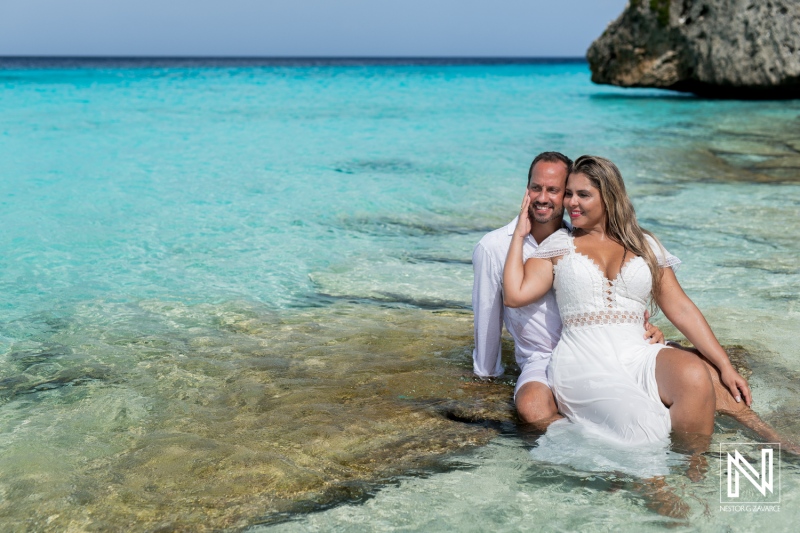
555,245
571,240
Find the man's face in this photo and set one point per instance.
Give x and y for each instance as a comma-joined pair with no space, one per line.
546,191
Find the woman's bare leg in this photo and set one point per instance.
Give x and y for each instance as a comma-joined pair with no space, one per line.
738,410
685,386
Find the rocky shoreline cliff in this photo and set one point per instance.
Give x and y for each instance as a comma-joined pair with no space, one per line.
716,48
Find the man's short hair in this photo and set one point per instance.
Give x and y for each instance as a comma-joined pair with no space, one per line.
550,157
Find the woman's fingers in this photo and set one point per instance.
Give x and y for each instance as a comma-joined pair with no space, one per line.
745,388
739,387
524,222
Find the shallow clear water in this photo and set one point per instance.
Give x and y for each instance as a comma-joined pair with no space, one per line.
230,290
501,489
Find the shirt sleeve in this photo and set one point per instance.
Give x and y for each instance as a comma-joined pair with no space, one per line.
555,245
664,258
487,304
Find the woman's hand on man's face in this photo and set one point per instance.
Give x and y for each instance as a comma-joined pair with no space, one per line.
524,221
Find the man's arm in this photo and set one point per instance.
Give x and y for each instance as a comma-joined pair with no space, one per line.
487,303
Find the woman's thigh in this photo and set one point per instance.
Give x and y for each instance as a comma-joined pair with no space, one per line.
680,373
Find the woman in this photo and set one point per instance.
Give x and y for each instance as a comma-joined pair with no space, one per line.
605,272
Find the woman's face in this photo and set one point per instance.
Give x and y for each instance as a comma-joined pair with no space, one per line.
584,203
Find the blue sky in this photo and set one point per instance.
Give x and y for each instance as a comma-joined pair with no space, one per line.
303,27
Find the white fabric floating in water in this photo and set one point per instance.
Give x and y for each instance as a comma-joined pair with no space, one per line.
573,445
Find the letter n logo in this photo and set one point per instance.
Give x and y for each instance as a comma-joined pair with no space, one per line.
740,467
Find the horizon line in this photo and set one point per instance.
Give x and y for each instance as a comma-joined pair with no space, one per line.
39,61
375,57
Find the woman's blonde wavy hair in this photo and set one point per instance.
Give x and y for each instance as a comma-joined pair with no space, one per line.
621,223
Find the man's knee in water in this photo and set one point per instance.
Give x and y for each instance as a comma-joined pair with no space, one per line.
535,402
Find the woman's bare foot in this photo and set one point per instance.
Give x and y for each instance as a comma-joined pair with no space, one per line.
662,499
694,445
698,467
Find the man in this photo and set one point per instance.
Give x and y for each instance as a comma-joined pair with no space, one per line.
536,328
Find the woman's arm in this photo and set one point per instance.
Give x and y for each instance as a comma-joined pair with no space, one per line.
682,312
525,283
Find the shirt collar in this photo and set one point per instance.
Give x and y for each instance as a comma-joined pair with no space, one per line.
512,226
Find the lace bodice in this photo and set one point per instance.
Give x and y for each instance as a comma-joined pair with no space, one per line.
586,297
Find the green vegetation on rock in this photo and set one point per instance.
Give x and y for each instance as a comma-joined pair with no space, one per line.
661,8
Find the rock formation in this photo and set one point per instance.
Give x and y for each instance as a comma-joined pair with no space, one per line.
716,48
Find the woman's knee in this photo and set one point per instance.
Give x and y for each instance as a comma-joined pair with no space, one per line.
695,374
681,376
696,384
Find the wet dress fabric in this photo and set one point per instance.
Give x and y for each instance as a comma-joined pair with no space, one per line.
602,371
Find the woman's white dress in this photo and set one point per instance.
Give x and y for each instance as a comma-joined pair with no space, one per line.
602,371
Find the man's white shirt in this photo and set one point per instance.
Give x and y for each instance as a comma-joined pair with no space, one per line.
535,328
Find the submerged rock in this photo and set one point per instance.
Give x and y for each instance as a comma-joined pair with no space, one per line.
753,151
716,48
215,417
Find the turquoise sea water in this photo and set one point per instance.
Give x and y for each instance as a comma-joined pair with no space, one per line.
180,243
